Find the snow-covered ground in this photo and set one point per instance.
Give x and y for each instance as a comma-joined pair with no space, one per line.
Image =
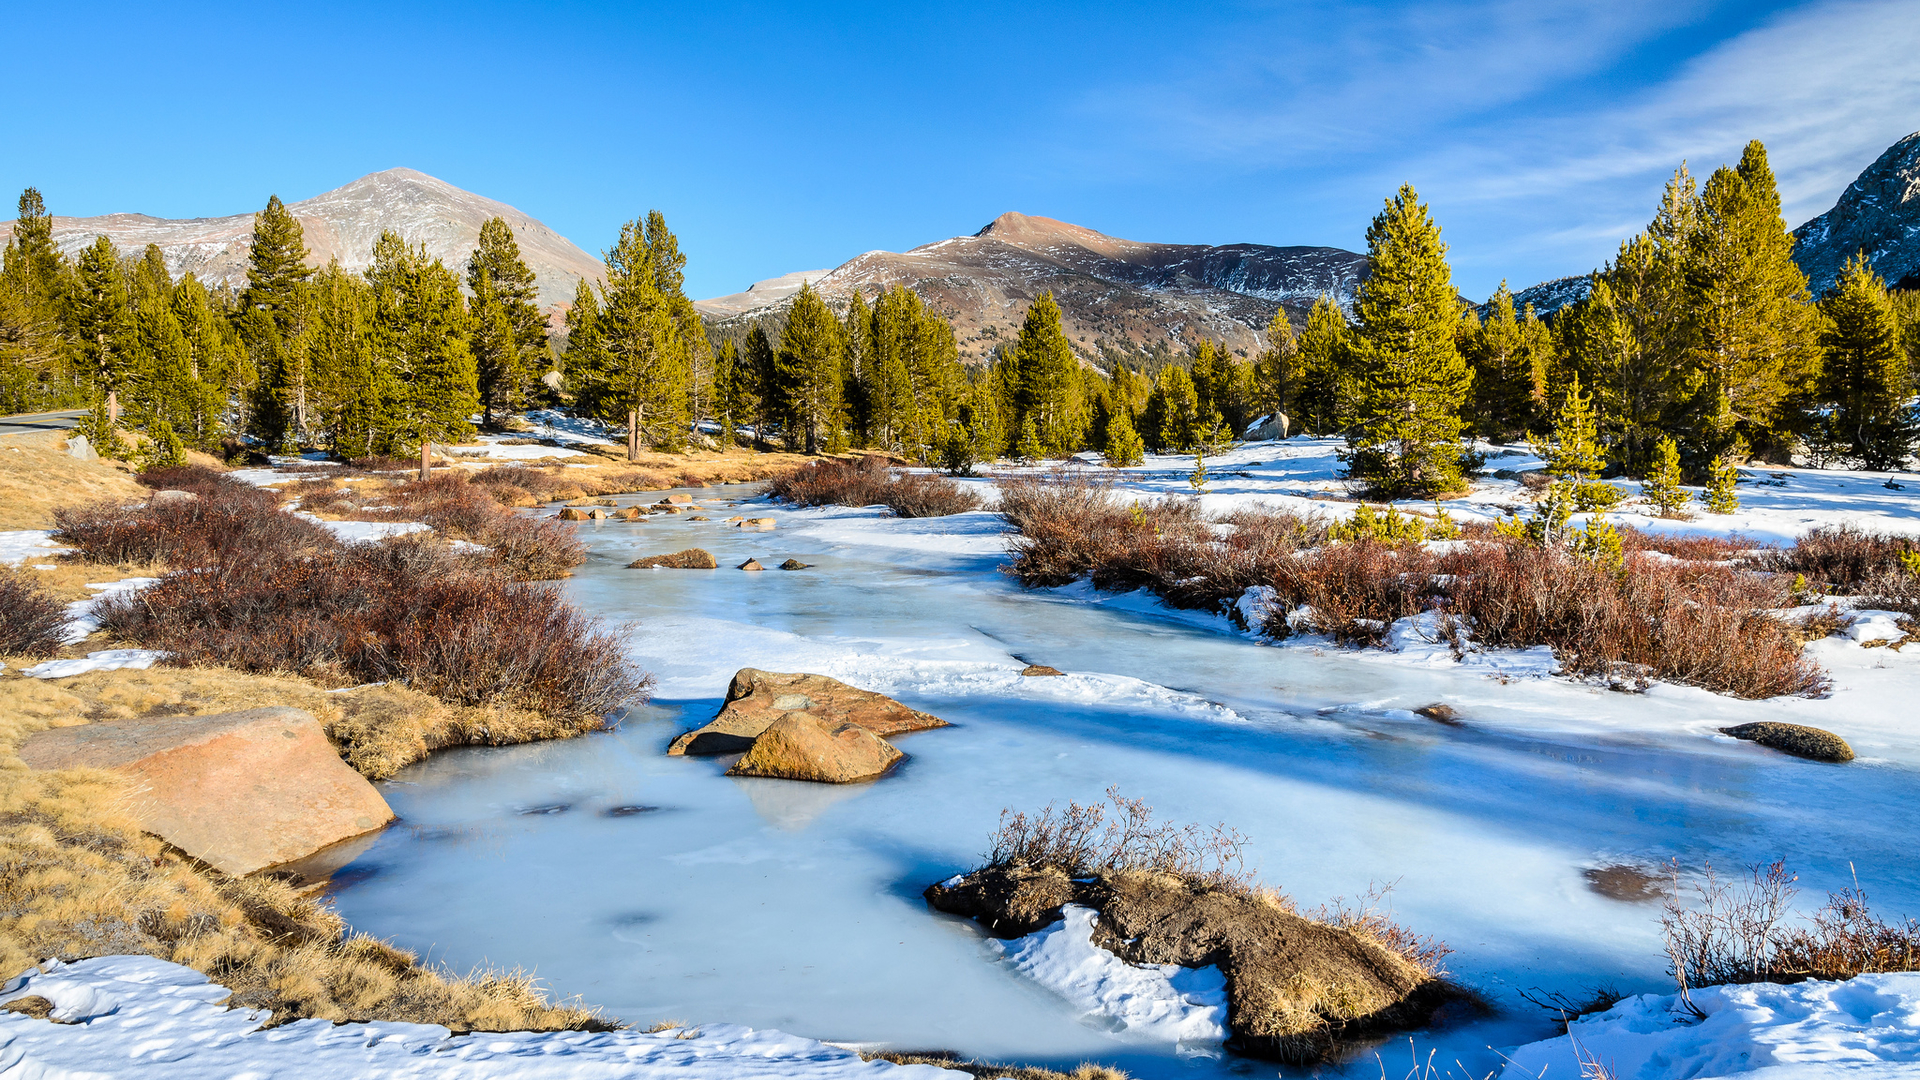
1159,1002
137,1016
19,546
1867,1026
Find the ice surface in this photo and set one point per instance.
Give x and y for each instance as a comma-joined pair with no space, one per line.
1866,1026
1163,1002
797,907
137,1016
104,660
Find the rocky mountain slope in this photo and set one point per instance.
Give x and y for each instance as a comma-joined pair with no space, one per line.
343,223
1878,213
1123,294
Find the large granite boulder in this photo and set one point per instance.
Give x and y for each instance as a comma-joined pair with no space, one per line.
240,791
801,746
1270,426
690,559
758,698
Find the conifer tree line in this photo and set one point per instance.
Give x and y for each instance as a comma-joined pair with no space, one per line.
356,363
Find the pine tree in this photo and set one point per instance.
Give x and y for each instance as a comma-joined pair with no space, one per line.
886,384
584,354
1720,496
32,261
1865,373
1509,360
100,322
1047,388
508,382
645,368
976,433
669,278
1122,446
1197,480
503,380
1574,457
1411,379
1276,372
809,372
1028,448
418,337
351,392
1318,385
1662,486
277,266
1176,410
856,333
759,366
1757,332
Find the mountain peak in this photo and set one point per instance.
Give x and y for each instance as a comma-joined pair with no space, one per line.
1024,230
1879,213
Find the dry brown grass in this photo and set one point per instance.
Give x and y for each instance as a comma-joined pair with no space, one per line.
78,878
36,476
69,576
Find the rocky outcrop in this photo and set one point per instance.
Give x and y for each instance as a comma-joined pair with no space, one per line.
1806,742
756,699
1879,213
1297,988
690,559
239,791
801,746
1270,426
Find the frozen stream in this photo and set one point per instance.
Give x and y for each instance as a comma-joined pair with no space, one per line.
797,907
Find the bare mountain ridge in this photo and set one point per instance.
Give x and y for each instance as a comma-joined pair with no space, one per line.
1124,293
343,224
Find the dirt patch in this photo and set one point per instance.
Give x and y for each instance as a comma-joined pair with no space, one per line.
1297,988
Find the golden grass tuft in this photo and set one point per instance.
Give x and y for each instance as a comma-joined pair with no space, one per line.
983,1070
78,878
36,475
70,576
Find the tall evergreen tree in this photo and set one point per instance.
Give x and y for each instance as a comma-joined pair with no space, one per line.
1319,389
508,377
1410,378
353,394
503,376
759,367
669,278
645,366
1757,332
1509,356
277,266
277,274
1047,387
418,335
1276,372
856,334
1865,375
583,356
31,259
100,323
886,374
809,372
1174,411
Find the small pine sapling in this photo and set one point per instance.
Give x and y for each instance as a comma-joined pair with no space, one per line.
1197,480
1028,449
1575,457
1662,485
164,448
1720,496
1391,527
1123,444
1600,543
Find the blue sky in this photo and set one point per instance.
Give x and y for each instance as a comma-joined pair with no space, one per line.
794,136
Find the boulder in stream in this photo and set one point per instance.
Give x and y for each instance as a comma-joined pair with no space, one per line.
756,698
690,559
801,746
1795,739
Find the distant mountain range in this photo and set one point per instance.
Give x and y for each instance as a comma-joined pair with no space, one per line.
1125,294
344,223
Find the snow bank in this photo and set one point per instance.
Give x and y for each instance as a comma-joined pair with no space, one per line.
1164,1002
494,451
365,532
19,545
82,616
1867,1026
137,1016
105,660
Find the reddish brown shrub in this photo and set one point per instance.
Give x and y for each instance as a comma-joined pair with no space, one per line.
227,517
917,495
1695,548
32,622
530,549
406,610
1355,590
870,480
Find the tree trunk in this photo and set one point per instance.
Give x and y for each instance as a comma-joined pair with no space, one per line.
113,408
425,468
633,435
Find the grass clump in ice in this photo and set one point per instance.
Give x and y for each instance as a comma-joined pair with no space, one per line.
1683,611
1743,931
1299,986
870,480
982,1070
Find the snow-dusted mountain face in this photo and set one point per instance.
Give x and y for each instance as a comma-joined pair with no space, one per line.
1879,213
1123,292
343,224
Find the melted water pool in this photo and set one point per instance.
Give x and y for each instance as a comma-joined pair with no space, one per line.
661,889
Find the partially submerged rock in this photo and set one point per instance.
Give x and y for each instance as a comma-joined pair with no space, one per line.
758,523
801,746
690,559
1040,670
1440,712
1296,988
673,500
574,513
752,564
795,564
756,699
240,791
1806,742
628,513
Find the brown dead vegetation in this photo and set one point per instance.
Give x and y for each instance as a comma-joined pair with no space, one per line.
1704,622
983,1070
871,480
32,622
